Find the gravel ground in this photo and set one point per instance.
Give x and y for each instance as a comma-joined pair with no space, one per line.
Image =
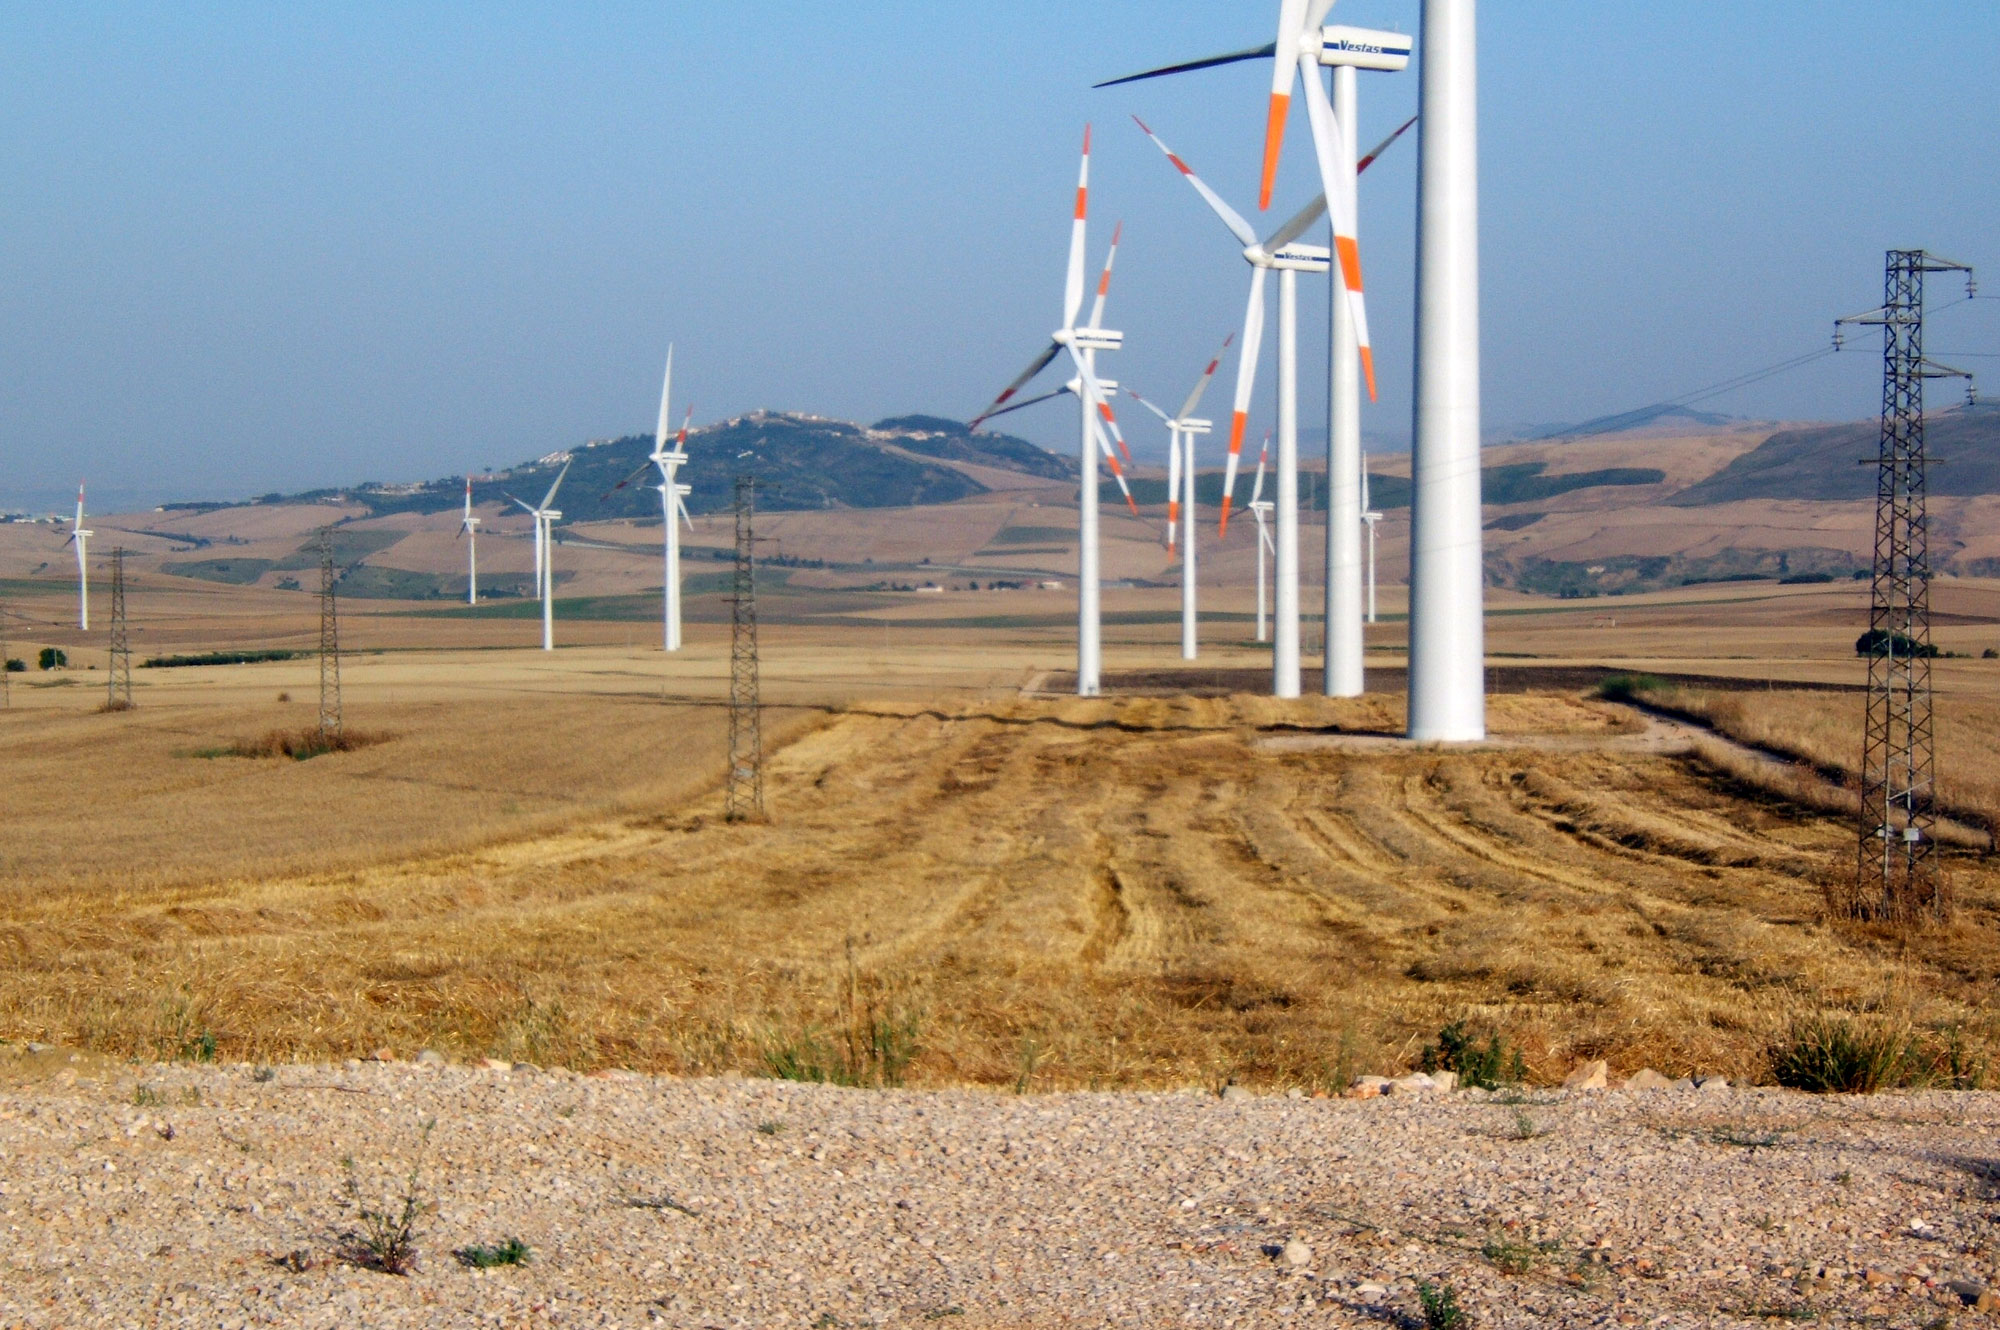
218,1196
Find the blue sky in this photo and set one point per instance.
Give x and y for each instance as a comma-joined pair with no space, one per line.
248,246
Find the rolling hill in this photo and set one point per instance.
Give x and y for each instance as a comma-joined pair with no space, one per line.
1826,462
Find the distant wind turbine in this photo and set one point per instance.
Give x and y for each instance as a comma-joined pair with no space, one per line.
468,526
673,505
79,537
1369,517
1182,429
1260,508
545,519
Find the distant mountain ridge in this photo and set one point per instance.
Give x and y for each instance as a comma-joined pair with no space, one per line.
1835,462
801,462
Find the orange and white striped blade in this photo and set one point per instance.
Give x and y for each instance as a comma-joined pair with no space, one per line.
1230,217
1207,376
79,503
1246,384
1284,69
1104,280
1149,406
1111,422
1173,489
1383,146
680,440
1073,283
1093,396
1035,366
1336,170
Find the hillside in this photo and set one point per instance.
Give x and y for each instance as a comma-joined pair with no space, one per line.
801,463
1825,462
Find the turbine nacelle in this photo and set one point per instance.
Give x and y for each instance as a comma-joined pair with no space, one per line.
1294,257
1190,425
1359,48
1089,339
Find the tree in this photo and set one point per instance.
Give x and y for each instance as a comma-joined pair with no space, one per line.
53,658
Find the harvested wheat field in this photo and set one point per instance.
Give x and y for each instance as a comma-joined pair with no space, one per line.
1047,894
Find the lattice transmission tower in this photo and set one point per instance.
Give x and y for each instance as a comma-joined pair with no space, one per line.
745,801
329,640
119,685
1896,876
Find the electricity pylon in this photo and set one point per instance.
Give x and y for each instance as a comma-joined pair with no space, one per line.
329,640
119,685
1896,876
745,801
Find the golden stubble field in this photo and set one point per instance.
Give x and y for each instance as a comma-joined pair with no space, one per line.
1008,889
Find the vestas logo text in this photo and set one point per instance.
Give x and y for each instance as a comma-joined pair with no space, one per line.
1365,48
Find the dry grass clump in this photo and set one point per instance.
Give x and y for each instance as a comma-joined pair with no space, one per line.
1831,1054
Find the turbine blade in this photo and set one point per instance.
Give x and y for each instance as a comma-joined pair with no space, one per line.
1201,385
1295,228
1284,70
1173,488
1149,406
1263,455
681,503
637,471
1035,366
525,507
1026,402
680,440
1188,66
1110,420
1246,383
1383,146
1336,174
1094,395
1104,281
1230,217
1316,12
550,497
1073,280
666,405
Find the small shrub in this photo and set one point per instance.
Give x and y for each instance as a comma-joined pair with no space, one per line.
1487,1068
1627,687
1512,1257
303,745
1883,642
146,1096
511,1252
52,658
1440,1307
15,665
1836,1055
113,705
770,1128
1524,1127
387,1235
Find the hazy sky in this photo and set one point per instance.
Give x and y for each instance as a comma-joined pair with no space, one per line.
253,246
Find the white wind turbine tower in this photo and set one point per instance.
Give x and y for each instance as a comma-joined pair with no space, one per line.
545,519
673,505
1182,430
1369,518
80,538
1260,508
1301,47
1082,343
468,526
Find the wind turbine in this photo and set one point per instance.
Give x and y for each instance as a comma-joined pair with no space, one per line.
1369,518
545,519
673,505
1300,48
1082,343
468,526
1260,508
1280,253
1182,429
79,537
